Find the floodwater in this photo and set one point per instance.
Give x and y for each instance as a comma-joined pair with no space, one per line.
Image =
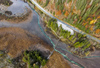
33,28
18,8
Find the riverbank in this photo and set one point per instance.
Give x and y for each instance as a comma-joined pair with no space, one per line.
14,41
18,37
17,19
80,50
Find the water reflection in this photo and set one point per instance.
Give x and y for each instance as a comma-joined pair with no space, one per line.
17,8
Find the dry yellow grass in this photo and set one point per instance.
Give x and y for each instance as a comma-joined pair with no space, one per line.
16,40
56,61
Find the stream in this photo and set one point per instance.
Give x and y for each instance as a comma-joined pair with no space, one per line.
33,27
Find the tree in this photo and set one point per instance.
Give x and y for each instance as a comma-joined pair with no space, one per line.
43,62
36,66
97,31
58,12
54,13
66,13
33,57
47,1
49,23
61,7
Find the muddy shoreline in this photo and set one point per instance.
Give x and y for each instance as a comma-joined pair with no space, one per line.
13,19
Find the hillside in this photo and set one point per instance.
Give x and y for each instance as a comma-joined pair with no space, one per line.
83,14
